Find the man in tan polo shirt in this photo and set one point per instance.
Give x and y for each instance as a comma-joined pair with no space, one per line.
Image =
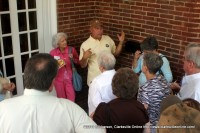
94,45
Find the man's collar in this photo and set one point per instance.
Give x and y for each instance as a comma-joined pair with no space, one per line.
94,38
188,78
35,92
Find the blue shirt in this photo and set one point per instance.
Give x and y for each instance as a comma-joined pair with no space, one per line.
166,70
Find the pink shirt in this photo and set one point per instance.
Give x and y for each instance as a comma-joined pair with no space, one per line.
65,72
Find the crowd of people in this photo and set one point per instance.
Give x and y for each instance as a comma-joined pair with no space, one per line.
137,99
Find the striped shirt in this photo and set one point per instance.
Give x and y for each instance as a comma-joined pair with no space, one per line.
152,93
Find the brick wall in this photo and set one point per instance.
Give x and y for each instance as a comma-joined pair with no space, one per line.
73,18
175,23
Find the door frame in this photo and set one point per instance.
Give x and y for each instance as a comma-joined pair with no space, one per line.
47,22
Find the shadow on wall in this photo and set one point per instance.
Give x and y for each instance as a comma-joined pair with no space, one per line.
132,46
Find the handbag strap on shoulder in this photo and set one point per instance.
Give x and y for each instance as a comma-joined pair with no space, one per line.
70,52
1,74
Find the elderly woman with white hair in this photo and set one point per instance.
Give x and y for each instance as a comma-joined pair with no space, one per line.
63,81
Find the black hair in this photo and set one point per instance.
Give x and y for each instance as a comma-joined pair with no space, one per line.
149,43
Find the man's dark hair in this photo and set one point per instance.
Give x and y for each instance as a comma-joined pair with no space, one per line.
149,43
125,83
153,62
40,70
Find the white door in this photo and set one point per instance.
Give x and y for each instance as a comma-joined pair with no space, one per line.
21,36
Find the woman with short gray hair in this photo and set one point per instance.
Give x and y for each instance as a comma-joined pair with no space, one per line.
57,37
106,60
62,53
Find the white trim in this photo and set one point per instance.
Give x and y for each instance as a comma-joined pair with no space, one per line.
49,23
39,5
15,40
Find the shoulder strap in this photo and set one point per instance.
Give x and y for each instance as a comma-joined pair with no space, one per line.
1,74
70,52
162,56
160,71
